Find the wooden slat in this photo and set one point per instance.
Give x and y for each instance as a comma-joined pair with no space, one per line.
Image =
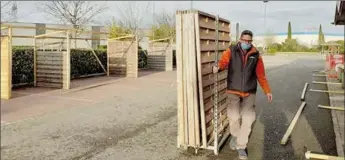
194,79
185,85
179,67
47,75
52,85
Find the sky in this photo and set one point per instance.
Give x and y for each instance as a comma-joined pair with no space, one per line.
303,15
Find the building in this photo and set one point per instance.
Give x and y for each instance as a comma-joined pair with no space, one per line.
305,38
34,29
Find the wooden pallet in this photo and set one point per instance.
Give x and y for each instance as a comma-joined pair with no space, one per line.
200,39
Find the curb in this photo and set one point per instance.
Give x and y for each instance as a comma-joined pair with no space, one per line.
337,131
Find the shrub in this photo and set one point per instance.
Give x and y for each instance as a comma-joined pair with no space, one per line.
83,62
271,51
22,65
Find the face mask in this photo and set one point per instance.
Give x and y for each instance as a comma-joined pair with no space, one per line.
245,46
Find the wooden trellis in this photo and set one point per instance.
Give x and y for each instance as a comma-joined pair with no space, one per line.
160,54
122,53
202,98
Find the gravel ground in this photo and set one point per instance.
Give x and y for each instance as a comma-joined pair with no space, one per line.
135,119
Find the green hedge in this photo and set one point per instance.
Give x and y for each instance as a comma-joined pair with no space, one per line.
83,63
22,65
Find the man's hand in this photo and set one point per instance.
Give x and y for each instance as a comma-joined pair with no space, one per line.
215,69
269,97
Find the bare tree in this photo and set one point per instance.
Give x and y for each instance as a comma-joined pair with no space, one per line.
8,8
77,13
164,26
131,16
165,18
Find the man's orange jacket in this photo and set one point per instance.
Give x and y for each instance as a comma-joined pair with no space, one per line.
260,71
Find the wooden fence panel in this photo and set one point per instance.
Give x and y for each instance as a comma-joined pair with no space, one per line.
49,69
160,56
123,58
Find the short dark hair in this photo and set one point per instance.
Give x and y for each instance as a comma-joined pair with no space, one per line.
247,32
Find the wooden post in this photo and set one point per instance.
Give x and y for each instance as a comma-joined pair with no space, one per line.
6,65
108,74
35,62
316,82
309,155
179,68
327,91
331,107
292,124
67,64
304,91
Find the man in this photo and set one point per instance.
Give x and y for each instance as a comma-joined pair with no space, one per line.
245,68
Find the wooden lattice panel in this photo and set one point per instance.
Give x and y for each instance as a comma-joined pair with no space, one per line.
49,69
160,56
123,58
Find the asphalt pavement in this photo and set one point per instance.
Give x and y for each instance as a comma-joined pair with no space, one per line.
136,119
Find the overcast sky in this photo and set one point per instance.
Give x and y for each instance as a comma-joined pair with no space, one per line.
303,15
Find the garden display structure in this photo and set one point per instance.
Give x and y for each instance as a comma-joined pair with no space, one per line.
52,64
201,95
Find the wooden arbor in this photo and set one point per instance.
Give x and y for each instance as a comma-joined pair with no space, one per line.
202,99
51,68
160,54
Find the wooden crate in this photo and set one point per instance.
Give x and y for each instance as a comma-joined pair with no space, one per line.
202,114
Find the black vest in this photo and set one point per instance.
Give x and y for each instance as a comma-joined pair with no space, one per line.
242,78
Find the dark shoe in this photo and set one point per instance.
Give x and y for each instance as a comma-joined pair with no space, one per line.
233,143
242,154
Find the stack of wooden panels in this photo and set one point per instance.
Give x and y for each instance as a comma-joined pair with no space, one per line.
160,56
202,114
